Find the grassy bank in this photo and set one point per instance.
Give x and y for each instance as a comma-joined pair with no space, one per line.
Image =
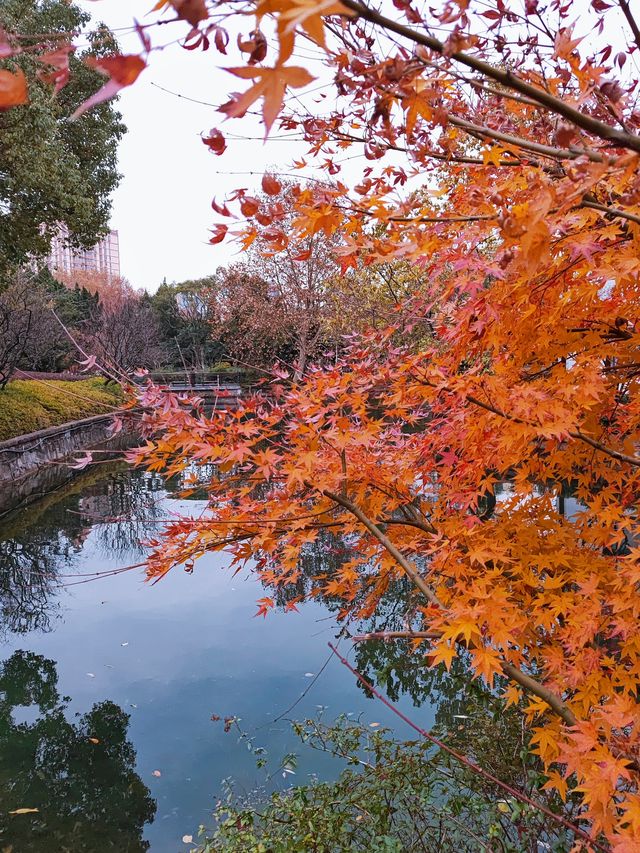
27,405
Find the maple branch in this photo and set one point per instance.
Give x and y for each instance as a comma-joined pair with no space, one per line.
488,217
411,522
603,448
464,760
579,436
504,77
529,377
479,130
418,219
611,211
480,217
435,155
384,540
622,368
492,90
530,684
635,29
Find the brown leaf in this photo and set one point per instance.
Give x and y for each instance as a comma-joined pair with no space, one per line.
215,141
192,11
219,233
270,185
249,205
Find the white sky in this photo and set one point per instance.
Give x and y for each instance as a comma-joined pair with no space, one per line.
162,208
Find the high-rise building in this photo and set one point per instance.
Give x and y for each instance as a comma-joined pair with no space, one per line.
104,257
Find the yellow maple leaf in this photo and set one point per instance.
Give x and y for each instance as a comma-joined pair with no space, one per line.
555,782
486,663
443,653
546,743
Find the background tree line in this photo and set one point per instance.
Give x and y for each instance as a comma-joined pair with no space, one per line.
296,307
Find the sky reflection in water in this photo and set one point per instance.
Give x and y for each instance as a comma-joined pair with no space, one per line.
169,655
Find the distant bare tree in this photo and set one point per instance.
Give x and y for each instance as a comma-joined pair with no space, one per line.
18,307
124,335
47,343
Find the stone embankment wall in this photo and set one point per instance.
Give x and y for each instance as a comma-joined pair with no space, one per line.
34,464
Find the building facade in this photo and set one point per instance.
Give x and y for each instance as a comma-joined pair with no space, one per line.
104,257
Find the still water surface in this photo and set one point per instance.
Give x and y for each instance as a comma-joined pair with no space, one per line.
141,669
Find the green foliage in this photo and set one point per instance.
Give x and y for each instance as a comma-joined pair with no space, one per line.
391,797
72,305
183,312
29,405
54,170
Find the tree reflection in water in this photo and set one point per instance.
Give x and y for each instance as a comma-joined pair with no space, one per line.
79,775
125,510
395,666
39,544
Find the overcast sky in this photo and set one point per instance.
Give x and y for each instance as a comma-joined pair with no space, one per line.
162,208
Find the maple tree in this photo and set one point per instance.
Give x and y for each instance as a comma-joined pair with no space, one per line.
502,161
278,300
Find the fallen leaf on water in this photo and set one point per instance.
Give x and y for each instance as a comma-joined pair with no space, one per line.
24,811
94,740
157,773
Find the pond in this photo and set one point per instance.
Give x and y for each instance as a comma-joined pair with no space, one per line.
108,686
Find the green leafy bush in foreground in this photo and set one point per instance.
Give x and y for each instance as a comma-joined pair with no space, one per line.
29,405
395,796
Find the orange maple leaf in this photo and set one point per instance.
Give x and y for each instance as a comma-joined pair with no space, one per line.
13,89
123,70
271,86
264,606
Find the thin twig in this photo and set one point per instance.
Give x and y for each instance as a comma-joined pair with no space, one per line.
514,792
